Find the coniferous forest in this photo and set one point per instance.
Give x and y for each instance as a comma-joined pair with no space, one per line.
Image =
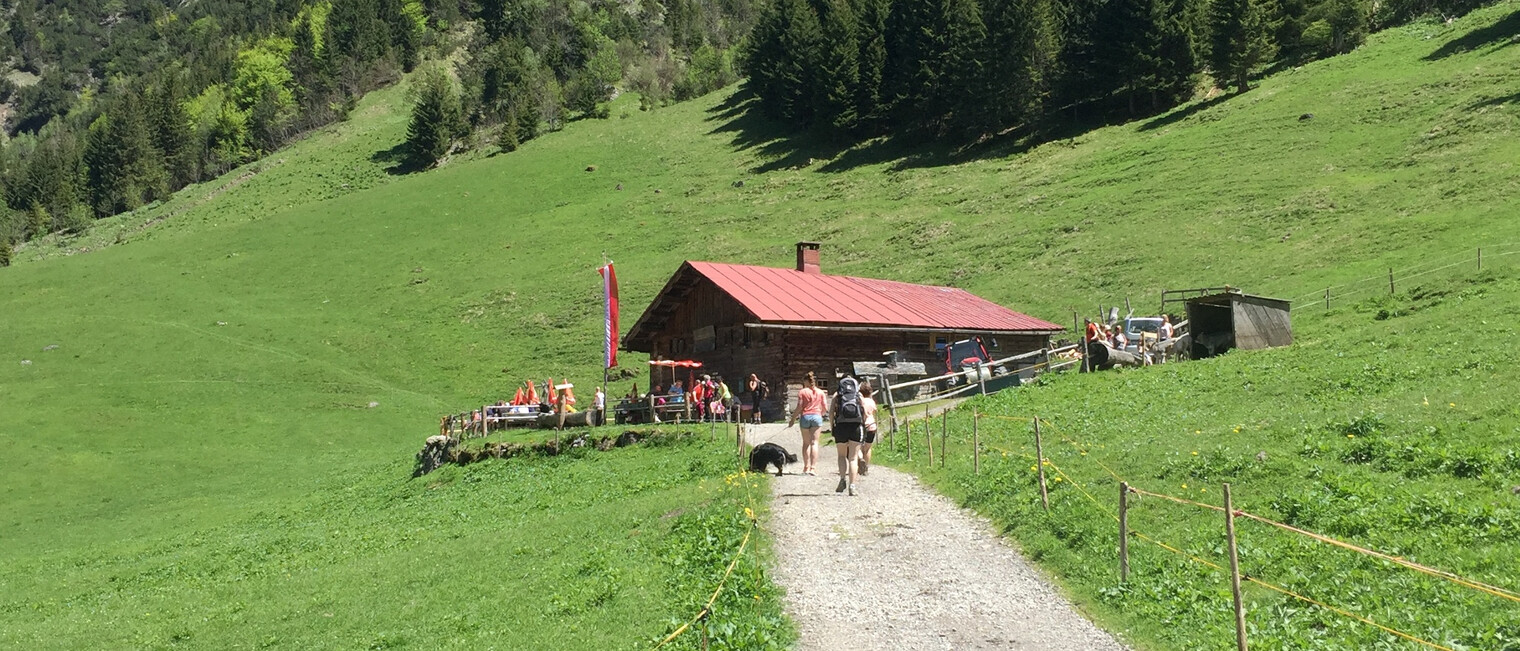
853,69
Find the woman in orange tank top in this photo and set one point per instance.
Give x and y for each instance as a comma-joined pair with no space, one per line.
810,405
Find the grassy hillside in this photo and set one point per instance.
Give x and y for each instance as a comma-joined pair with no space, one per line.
1389,423
220,366
590,550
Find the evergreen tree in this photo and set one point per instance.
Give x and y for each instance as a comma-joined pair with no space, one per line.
1019,60
1128,40
38,222
910,74
503,19
838,71
870,37
796,75
1241,40
963,74
50,176
763,56
5,252
1178,63
169,126
124,169
355,31
405,32
437,121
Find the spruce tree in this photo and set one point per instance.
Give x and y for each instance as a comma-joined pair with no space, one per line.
169,127
124,169
1019,61
838,71
437,121
38,221
870,38
1177,56
962,89
763,55
1241,40
796,75
910,74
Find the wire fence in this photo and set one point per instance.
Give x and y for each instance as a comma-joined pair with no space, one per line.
1050,473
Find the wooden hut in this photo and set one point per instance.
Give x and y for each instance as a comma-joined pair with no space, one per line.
1233,319
781,324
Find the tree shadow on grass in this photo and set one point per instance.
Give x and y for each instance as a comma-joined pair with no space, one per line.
786,146
1184,112
1503,33
1495,101
394,160
780,145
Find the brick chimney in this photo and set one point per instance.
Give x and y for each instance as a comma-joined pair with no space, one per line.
807,257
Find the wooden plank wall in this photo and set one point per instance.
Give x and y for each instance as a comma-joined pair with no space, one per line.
1260,324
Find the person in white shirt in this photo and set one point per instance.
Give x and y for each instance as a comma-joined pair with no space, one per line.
868,436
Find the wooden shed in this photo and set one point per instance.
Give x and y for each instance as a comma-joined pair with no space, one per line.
781,323
1233,319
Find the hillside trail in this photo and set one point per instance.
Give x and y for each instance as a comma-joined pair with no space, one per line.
901,567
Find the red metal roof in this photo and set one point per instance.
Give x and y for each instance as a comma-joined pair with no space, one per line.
788,295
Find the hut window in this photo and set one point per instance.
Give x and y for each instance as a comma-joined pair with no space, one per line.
993,343
941,342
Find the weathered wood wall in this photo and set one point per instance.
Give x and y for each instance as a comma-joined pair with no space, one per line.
1261,324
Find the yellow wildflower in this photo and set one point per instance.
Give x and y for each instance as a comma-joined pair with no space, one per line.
1184,485
1195,453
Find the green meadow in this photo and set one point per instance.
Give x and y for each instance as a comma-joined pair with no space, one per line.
1390,423
218,450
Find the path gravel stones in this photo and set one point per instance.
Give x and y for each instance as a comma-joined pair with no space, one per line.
901,567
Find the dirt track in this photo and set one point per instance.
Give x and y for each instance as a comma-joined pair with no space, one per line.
901,567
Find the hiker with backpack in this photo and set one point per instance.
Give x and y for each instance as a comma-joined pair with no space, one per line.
848,414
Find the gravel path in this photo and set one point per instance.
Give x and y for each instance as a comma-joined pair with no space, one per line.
901,567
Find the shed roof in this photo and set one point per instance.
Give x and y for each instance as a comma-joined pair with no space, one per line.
1236,295
776,295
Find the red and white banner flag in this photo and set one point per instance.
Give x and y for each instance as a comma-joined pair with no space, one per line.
610,296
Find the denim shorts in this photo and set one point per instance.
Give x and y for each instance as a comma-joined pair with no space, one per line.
811,421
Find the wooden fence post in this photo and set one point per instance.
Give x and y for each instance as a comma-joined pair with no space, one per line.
980,377
944,431
1076,324
1039,453
1327,299
976,443
928,438
1480,258
908,437
1390,281
1229,532
1123,532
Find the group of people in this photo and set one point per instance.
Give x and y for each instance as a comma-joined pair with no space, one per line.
710,398
852,413
1113,336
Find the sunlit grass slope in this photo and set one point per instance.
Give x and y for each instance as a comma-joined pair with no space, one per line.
1389,423
220,365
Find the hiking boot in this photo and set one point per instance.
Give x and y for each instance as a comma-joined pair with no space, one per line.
842,484
863,467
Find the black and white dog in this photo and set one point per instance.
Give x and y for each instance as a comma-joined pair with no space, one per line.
770,454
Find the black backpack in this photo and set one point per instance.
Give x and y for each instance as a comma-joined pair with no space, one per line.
847,407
